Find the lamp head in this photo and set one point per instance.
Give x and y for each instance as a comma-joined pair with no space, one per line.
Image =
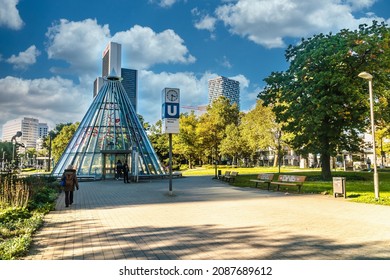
365,75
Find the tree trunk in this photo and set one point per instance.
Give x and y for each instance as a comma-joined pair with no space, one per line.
276,160
189,163
325,166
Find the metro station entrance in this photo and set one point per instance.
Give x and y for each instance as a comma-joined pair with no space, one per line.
110,158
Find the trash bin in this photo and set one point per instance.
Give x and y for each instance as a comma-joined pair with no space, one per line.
219,173
339,187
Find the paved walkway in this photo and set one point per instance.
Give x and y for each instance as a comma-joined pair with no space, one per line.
207,219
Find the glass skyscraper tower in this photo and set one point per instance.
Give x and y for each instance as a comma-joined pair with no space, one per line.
222,86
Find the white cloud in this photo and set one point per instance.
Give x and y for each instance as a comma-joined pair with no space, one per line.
9,14
165,3
225,62
143,48
269,22
81,45
58,100
53,100
359,4
207,22
24,59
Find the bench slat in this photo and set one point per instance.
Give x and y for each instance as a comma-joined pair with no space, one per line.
263,178
290,180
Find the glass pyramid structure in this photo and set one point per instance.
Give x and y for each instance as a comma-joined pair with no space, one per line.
110,131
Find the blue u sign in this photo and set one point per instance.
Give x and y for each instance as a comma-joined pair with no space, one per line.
171,111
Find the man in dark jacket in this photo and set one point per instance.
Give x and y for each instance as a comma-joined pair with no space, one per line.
70,183
126,172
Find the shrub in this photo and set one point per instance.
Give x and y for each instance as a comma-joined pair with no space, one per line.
15,247
18,222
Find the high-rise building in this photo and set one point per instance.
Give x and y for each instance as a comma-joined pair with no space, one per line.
28,127
222,86
43,129
112,57
97,85
129,82
112,67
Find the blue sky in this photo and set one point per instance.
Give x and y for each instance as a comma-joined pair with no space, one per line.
50,51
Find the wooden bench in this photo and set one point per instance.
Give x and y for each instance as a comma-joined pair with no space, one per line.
290,181
231,177
264,178
222,177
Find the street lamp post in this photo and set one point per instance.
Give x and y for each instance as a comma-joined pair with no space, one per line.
368,76
14,142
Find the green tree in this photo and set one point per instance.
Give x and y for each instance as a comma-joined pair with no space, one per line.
61,141
53,134
186,143
6,149
213,123
319,99
259,129
234,145
159,140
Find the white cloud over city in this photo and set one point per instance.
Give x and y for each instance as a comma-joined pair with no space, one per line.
269,22
79,45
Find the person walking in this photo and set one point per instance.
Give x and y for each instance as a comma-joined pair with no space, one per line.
70,178
118,169
368,164
126,172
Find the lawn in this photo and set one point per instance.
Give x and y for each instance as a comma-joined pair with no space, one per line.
359,184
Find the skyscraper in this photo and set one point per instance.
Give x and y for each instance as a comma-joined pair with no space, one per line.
112,57
112,67
222,86
129,82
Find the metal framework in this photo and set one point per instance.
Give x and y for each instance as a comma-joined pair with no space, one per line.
110,130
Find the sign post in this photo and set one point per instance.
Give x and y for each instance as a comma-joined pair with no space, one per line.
170,120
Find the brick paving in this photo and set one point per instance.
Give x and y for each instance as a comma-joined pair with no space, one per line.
206,219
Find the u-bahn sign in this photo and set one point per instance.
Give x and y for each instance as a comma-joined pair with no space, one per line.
170,110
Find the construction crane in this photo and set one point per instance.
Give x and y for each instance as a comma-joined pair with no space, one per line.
195,108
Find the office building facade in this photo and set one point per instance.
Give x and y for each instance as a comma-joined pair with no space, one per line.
129,82
112,67
29,128
222,86
112,57
43,130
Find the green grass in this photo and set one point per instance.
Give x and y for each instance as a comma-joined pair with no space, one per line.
359,184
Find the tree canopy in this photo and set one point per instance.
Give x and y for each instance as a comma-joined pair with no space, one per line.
320,99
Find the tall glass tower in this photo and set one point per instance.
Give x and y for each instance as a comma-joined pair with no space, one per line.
110,131
222,86
129,82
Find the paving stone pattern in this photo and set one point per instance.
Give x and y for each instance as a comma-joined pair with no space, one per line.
206,219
